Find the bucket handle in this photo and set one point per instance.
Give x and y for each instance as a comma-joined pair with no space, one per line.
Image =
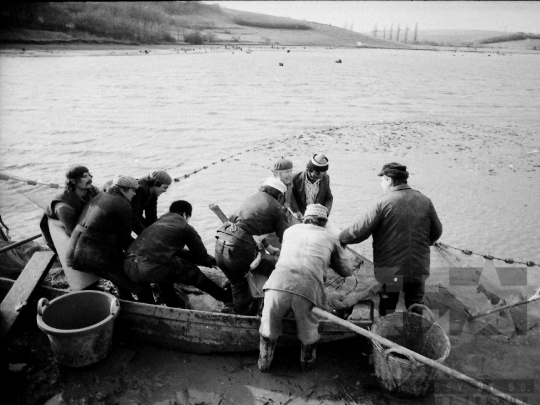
42,303
115,307
387,353
425,309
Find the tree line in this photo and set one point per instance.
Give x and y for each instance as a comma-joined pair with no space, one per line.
140,22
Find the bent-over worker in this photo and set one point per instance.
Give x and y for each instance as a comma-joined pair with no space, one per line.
236,249
158,256
297,284
104,230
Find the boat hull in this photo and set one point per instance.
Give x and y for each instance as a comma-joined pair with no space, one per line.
197,331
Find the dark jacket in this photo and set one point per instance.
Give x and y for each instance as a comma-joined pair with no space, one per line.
404,224
166,238
97,244
144,205
261,214
324,196
68,216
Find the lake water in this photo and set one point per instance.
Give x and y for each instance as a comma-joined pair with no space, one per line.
133,113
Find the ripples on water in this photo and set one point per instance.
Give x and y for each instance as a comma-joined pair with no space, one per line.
133,114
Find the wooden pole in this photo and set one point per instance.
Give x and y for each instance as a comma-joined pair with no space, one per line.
418,357
22,242
534,297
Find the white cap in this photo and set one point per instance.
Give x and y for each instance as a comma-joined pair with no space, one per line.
316,210
275,183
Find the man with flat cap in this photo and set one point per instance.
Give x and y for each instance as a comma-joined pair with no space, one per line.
240,239
312,186
102,233
404,224
282,170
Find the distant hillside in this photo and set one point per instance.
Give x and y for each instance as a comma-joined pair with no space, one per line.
476,38
165,23
456,37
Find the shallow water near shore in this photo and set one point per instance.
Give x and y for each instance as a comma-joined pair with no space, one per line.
466,125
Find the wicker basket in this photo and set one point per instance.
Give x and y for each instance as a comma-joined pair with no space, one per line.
397,371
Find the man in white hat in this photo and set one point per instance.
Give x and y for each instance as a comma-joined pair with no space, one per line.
236,249
297,284
103,232
144,203
312,186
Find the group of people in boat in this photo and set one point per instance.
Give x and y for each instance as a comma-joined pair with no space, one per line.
289,211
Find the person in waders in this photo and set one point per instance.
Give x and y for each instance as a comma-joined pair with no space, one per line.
297,284
158,256
241,238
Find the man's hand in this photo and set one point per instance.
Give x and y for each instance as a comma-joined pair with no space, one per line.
273,250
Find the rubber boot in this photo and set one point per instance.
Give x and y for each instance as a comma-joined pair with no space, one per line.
308,354
266,353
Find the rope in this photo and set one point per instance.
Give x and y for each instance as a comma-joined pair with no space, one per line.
185,176
4,176
467,252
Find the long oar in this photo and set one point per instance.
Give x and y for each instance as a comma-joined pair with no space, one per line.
22,242
417,356
534,297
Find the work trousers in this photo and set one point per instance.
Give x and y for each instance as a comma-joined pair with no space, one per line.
277,304
234,261
389,294
178,270
104,258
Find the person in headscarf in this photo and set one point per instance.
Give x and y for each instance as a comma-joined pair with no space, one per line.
404,224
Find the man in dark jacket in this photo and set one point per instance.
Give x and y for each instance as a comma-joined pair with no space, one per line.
404,224
158,256
103,232
236,246
312,186
144,203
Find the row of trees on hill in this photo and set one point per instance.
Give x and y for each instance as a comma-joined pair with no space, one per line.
405,37
142,22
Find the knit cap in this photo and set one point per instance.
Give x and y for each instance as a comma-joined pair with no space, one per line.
275,183
283,164
125,181
395,171
316,210
162,176
76,172
318,162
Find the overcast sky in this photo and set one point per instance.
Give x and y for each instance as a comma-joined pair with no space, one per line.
510,16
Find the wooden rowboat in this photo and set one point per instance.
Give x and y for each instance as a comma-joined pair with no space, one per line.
198,331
